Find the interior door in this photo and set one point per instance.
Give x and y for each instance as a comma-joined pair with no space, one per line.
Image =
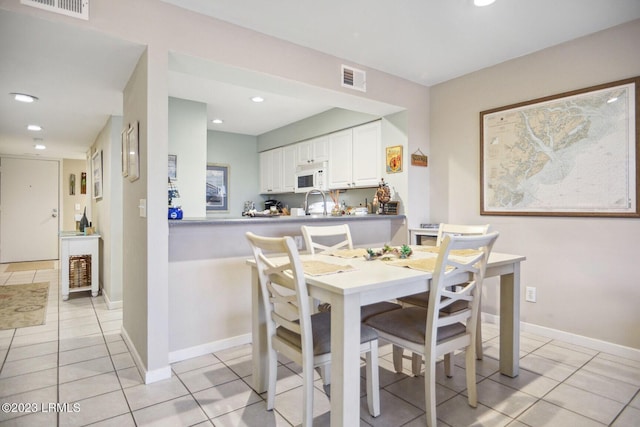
29,212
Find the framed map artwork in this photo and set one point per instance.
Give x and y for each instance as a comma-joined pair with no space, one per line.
572,154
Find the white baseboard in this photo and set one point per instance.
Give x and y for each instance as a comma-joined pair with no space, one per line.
147,376
592,343
111,305
212,347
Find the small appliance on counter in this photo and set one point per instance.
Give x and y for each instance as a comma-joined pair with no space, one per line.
270,204
175,212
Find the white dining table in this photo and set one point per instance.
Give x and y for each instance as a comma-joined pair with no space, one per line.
369,282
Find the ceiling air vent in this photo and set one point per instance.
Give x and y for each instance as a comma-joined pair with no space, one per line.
354,78
75,8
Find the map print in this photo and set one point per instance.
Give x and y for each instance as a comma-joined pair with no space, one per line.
569,155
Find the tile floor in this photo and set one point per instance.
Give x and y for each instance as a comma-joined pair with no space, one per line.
79,360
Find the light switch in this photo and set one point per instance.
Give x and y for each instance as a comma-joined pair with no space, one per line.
77,206
143,208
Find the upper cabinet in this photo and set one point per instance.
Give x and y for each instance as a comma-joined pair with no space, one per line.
289,157
355,158
313,151
278,170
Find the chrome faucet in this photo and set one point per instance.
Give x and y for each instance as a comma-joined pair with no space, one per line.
306,200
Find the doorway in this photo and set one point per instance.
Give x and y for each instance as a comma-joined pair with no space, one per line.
29,214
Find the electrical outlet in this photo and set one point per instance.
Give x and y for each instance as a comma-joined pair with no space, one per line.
530,294
298,240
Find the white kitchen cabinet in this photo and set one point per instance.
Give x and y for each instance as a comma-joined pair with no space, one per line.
277,170
289,156
271,171
355,158
313,151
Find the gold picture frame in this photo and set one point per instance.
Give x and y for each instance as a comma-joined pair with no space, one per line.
393,159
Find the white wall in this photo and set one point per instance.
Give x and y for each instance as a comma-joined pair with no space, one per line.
188,140
585,269
240,153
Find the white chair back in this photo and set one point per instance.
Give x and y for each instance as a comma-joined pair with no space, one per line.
327,238
460,230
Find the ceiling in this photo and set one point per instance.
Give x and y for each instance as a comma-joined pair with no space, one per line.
425,41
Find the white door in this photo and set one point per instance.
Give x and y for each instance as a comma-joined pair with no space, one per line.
28,209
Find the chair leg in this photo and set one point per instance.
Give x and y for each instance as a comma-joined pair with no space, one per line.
325,373
479,350
470,367
430,390
416,364
397,358
373,380
307,393
273,376
448,365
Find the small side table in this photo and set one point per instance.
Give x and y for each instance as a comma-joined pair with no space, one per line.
76,244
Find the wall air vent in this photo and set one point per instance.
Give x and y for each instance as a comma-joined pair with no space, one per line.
75,8
354,78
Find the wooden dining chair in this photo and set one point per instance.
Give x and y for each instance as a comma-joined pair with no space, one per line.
427,332
293,331
329,238
422,299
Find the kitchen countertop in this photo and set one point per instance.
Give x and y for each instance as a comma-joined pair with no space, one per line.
185,222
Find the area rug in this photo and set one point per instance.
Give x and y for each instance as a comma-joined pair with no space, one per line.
28,266
23,305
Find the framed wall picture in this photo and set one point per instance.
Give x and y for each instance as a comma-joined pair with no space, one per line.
133,157
217,187
124,153
393,158
96,167
571,154
173,166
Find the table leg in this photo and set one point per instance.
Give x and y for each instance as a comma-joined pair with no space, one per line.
345,360
260,364
510,322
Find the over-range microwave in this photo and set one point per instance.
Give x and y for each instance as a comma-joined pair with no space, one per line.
312,175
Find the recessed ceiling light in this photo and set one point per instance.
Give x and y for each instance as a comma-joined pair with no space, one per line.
217,121
481,3
35,128
39,147
612,100
23,97
257,99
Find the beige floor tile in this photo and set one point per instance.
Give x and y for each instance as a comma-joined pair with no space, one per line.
89,387
226,398
144,395
27,382
548,368
39,419
527,382
630,417
563,355
457,412
117,346
234,353
503,399
242,366
208,376
29,402
67,344
83,354
95,409
251,416
111,325
545,414
585,403
26,366
183,411
122,361
614,369
635,402
129,377
20,341
608,387
194,363
124,420
17,353
411,389
85,369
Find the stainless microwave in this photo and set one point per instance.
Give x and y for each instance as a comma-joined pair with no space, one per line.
312,175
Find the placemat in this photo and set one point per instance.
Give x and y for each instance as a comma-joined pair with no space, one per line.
436,249
422,264
348,253
319,268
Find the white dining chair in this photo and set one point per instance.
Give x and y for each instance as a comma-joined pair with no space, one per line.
329,238
293,331
422,299
426,332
